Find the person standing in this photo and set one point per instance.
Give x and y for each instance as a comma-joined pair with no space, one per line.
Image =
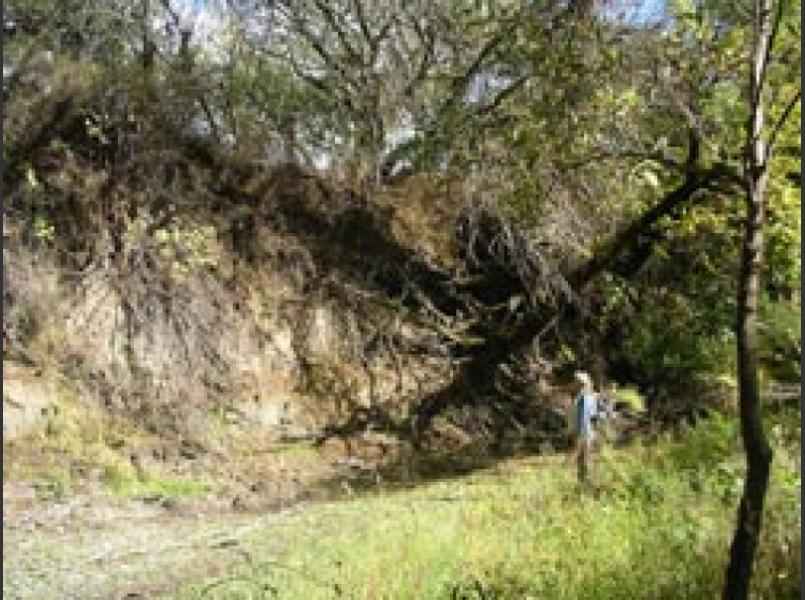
584,409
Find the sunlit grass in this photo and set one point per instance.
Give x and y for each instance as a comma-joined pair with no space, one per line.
148,485
658,527
76,438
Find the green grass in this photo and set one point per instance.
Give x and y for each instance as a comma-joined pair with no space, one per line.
53,484
293,450
659,527
631,396
74,435
124,481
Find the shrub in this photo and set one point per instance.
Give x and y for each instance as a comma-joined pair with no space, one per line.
781,340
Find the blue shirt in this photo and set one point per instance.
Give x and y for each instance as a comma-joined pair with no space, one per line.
586,409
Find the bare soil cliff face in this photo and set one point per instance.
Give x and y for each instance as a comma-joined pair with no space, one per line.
290,315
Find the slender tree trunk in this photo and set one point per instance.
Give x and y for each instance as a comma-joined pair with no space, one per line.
148,45
758,452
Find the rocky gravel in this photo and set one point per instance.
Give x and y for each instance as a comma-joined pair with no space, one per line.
87,549
96,546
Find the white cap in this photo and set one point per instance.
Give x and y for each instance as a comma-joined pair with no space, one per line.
584,379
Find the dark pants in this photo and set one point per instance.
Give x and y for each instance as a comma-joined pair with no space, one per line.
584,447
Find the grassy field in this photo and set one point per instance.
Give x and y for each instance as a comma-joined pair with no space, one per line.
658,526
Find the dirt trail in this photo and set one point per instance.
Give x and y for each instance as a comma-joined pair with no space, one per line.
84,541
89,547
94,545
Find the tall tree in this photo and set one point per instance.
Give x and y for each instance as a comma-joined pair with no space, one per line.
768,17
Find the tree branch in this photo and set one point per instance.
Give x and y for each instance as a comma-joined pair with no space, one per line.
364,25
461,82
316,44
502,95
775,28
331,19
778,125
173,14
657,157
427,40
